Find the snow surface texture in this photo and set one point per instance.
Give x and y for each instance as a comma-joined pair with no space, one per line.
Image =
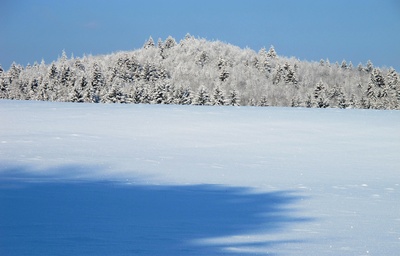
285,181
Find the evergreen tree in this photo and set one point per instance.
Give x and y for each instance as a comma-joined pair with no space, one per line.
4,85
77,95
308,102
14,72
169,42
53,72
182,96
233,98
202,97
320,96
377,78
272,53
218,98
342,103
223,75
370,92
289,75
277,77
295,102
149,72
202,59
344,65
97,83
360,67
353,101
392,79
115,94
149,43
369,67
264,101
163,93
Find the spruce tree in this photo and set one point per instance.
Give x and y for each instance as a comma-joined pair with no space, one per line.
272,53
149,43
233,98
182,96
202,97
218,98
264,101
97,83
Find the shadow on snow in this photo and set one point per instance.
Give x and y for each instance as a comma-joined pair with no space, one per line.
107,218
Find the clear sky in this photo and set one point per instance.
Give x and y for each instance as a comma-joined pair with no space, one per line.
354,30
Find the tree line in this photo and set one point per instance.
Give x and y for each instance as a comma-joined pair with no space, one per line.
200,72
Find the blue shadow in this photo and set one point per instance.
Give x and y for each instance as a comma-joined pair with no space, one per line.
108,218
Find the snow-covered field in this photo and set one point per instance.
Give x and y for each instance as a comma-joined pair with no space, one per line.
95,179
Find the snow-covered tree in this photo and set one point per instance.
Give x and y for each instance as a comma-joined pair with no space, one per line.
233,98
182,96
202,59
264,101
115,94
149,43
320,96
272,53
202,97
97,83
218,98
185,68
169,42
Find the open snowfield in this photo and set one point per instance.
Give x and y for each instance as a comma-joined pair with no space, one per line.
96,179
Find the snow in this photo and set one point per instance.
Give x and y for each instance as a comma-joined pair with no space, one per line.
282,181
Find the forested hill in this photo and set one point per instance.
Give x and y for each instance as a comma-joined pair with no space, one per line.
200,72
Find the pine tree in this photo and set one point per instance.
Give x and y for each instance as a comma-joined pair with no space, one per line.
370,92
115,95
77,95
392,79
163,93
320,96
4,85
308,102
319,89
377,78
289,75
342,103
149,72
182,96
264,101
295,102
149,43
352,101
344,65
360,67
202,59
202,97
369,67
277,77
218,98
53,72
272,53
223,75
233,98
97,83
169,42
14,72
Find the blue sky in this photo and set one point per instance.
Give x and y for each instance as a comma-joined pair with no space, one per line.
354,30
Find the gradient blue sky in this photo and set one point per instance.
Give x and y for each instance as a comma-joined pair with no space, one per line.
354,30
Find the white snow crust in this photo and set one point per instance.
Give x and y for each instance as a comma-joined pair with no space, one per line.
343,164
